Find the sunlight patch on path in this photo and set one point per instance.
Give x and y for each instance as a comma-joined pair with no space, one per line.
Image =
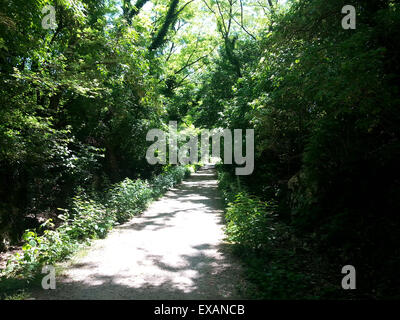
174,250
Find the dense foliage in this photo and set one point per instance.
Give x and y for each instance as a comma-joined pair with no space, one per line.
88,219
324,104
77,101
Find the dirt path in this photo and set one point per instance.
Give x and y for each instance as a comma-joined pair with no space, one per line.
173,251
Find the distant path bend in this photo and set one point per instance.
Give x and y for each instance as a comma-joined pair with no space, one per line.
175,250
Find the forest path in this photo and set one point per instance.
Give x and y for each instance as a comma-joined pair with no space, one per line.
174,250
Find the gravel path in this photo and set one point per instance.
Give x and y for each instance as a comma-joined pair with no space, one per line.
175,250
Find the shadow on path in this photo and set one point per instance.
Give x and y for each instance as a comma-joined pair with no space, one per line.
175,250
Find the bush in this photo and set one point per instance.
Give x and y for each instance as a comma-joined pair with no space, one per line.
161,183
170,177
128,198
249,221
276,261
178,173
87,220
38,250
227,185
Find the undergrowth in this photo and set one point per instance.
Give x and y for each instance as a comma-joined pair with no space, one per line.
85,220
278,263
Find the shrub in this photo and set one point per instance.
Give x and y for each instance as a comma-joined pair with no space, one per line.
38,250
178,173
170,177
88,220
161,183
227,185
249,221
128,198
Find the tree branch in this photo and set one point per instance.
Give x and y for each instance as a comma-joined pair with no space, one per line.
170,18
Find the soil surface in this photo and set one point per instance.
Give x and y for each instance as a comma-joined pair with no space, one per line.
174,250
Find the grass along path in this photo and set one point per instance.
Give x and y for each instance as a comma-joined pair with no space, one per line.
174,250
